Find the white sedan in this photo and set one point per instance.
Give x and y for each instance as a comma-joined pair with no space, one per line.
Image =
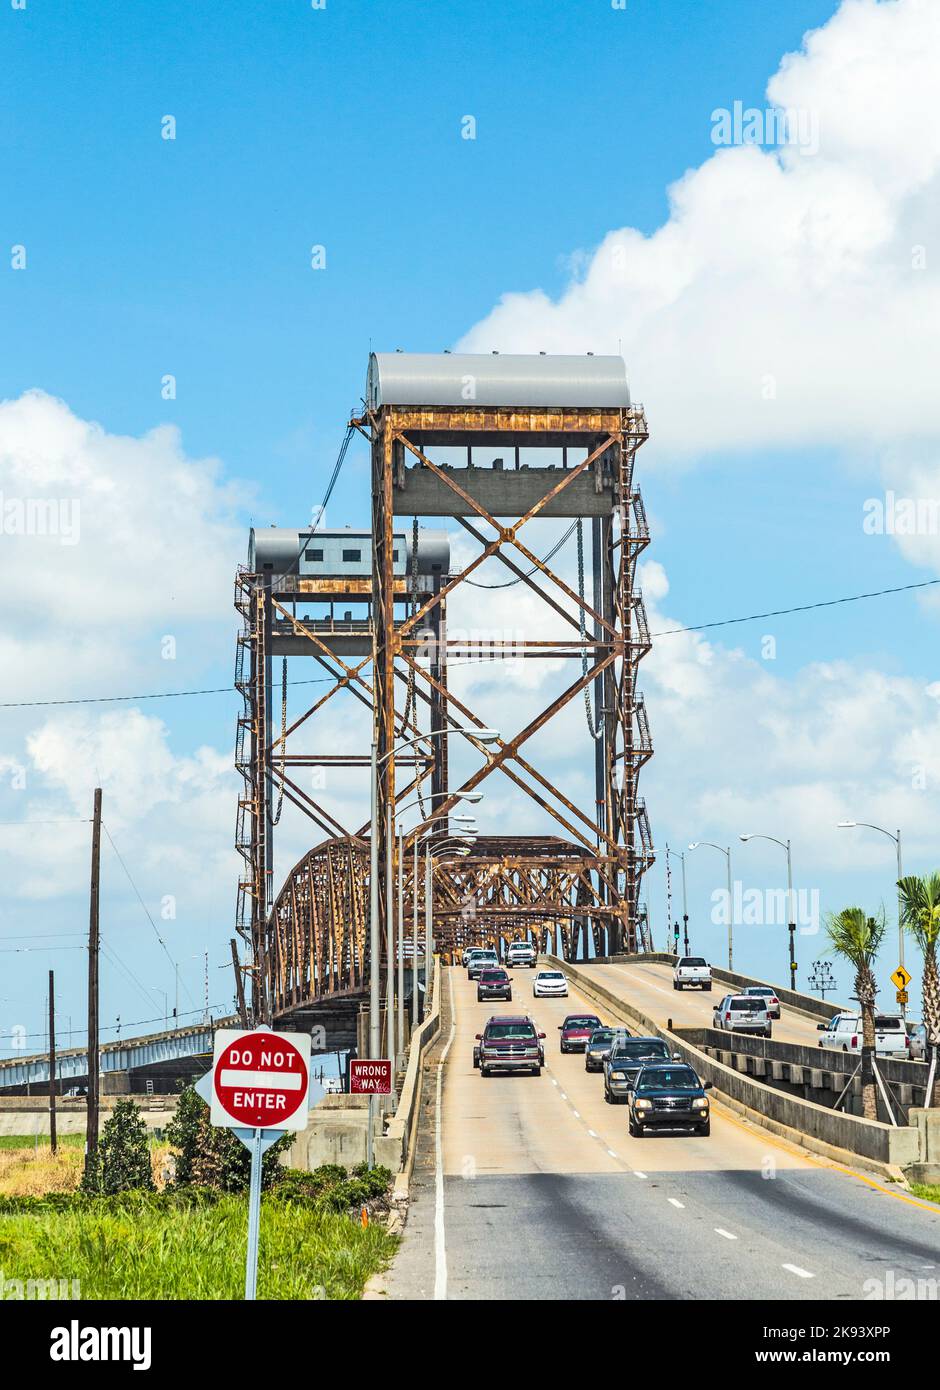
550,982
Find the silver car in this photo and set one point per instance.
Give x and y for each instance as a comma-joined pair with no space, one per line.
624,1062
743,1013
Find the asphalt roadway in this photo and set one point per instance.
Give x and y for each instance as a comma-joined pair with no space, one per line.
531,1187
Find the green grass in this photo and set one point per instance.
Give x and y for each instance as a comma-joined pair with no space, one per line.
929,1193
28,1141
189,1245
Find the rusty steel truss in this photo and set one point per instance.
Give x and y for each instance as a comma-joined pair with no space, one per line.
311,941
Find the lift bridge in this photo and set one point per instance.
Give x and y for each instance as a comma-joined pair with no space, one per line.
489,443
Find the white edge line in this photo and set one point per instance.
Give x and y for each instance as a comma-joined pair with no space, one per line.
440,1249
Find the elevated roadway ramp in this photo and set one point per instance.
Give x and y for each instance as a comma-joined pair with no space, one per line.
531,1188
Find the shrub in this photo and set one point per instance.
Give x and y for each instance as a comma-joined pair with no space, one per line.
123,1158
209,1156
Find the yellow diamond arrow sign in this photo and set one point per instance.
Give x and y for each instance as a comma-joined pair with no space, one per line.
900,979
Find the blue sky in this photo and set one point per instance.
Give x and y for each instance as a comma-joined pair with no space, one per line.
341,127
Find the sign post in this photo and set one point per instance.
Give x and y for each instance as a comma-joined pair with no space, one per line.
259,1087
370,1076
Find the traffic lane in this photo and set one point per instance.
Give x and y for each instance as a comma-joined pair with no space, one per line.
508,1122
649,987
541,1196
736,1192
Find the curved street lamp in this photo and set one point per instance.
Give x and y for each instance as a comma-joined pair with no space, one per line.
791,925
697,844
856,824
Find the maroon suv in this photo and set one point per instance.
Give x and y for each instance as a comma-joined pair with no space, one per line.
494,983
576,1031
509,1043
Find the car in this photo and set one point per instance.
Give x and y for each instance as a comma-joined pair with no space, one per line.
480,960
494,983
844,1034
576,1031
669,1096
550,982
742,1013
692,972
509,1043
765,992
917,1033
599,1045
625,1062
521,953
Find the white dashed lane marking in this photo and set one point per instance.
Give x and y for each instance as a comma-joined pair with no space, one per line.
674,1202
800,1273
728,1235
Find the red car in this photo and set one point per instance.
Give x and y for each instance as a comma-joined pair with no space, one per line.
576,1031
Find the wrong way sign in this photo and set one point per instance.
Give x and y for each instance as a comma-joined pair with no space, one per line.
260,1079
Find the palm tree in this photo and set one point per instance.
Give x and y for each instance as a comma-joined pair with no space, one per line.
858,939
920,913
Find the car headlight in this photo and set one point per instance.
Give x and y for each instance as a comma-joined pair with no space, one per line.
618,1076
700,1103
644,1105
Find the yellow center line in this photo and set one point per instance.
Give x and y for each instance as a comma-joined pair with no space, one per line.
786,1147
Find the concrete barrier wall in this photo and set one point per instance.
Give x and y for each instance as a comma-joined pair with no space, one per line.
820,1127
391,1148
819,1009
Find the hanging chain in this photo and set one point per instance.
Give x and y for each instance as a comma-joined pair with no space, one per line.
598,731
280,792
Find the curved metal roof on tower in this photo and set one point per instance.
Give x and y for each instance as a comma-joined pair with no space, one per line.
465,380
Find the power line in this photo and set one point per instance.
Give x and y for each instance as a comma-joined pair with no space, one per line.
145,908
800,608
332,680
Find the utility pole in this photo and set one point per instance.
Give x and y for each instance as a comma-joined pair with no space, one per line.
239,984
91,1128
52,1133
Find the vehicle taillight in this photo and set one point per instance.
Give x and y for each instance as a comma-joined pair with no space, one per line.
727,1016
855,1041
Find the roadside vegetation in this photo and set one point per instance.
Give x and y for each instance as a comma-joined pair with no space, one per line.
168,1220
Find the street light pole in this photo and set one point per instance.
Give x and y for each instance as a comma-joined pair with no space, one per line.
375,1025
791,906
853,825
727,854
685,907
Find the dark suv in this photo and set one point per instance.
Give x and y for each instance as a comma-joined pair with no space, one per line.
494,983
669,1095
509,1043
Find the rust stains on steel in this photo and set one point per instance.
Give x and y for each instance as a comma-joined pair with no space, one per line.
308,943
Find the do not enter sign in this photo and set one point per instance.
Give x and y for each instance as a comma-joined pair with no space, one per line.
260,1079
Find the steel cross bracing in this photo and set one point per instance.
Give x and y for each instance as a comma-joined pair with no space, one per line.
310,942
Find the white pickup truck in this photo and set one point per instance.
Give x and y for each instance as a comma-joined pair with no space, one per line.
844,1033
692,971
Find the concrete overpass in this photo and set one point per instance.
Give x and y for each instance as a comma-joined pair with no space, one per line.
126,1065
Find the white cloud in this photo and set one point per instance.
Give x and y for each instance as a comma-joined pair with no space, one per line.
138,542
779,303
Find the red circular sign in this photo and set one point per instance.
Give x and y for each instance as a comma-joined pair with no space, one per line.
261,1080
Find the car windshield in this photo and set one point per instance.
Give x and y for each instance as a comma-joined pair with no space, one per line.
668,1078
692,960
588,1022
601,1036
640,1049
759,990
747,1006
493,977
888,1024
550,975
509,1030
